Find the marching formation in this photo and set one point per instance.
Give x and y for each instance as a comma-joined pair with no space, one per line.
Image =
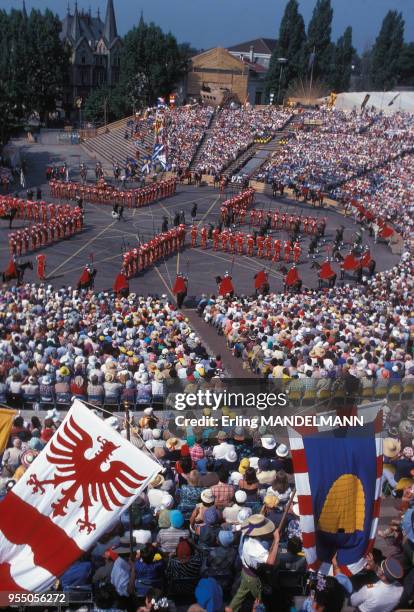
102,193
145,255
65,222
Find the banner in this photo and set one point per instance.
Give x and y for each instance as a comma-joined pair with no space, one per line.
69,496
6,422
338,473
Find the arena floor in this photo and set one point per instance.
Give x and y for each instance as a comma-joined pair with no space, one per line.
104,239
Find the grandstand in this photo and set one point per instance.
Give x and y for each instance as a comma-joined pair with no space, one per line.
110,145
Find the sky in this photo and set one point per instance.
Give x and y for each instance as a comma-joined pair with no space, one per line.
213,23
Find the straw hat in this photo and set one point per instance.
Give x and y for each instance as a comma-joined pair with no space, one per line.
174,444
257,525
391,447
157,481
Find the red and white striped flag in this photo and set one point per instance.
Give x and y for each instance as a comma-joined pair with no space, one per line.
70,495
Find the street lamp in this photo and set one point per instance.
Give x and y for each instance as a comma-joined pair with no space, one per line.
282,61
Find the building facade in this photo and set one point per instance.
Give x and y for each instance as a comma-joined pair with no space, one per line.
94,47
216,71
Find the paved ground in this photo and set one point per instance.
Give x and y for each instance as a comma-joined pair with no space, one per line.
105,239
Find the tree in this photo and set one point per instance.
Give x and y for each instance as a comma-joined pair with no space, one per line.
406,65
343,58
290,47
319,49
105,100
386,53
47,69
152,64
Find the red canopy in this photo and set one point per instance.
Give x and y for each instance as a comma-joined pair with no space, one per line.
179,285
226,286
85,277
326,272
121,282
260,279
11,269
292,277
351,262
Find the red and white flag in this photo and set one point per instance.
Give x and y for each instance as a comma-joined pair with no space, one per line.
70,495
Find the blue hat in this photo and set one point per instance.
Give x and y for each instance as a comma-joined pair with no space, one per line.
392,568
209,595
211,516
177,519
226,537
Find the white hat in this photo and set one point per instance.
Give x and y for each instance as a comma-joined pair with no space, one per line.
241,497
148,411
231,455
282,450
156,434
268,442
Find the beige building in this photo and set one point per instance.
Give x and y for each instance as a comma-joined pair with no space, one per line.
216,71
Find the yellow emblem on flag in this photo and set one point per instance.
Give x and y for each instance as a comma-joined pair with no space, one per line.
344,507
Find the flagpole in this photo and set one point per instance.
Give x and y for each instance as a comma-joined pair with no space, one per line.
128,435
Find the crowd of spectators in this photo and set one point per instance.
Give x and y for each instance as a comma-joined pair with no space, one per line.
185,129
341,148
311,339
218,529
57,344
387,193
234,131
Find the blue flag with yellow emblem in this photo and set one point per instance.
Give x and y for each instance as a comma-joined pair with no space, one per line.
338,474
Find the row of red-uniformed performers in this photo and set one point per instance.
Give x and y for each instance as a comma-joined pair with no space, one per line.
146,254
37,211
239,205
68,222
102,193
265,247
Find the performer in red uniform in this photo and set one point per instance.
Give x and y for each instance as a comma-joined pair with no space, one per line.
121,285
240,243
225,285
250,245
216,237
203,235
288,250
260,246
292,279
276,250
261,283
194,232
41,266
296,252
180,289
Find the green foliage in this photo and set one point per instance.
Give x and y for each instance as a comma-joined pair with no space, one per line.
33,66
343,56
406,65
98,99
290,45
152,63
319,41
387,50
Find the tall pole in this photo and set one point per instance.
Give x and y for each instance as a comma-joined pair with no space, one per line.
311,77
280,80
128,432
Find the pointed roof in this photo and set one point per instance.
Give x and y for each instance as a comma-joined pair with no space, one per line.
260,45
24,10
75,31
110,31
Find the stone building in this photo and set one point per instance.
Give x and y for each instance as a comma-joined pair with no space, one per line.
94,47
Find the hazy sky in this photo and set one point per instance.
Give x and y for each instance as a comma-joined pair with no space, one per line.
210,23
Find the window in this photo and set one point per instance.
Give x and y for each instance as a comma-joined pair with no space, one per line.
83,59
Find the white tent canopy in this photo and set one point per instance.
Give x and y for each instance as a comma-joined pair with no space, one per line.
401,101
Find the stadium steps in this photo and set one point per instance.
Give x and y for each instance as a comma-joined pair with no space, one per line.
217,345
203,141
111,147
